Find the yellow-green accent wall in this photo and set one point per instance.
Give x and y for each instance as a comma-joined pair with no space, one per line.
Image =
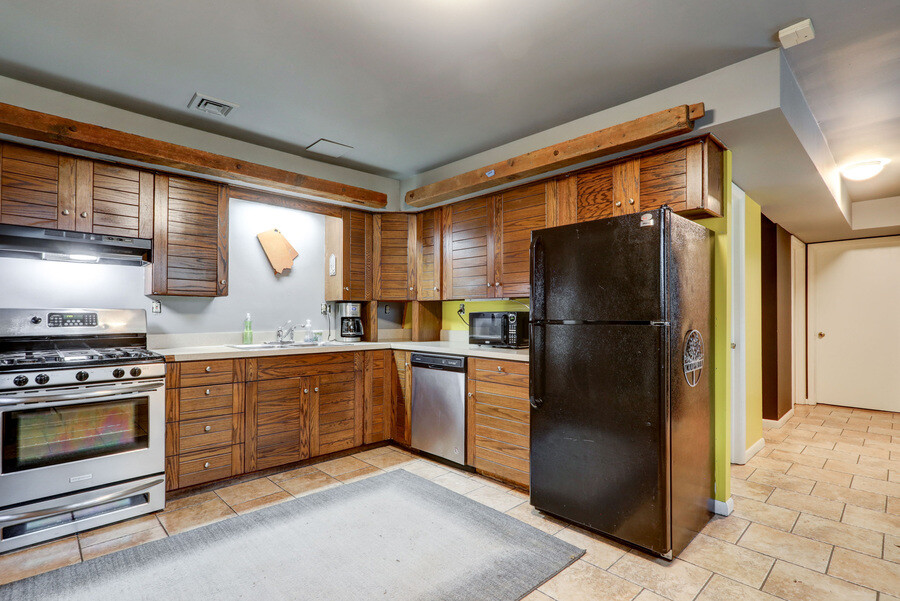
451,321
753,320
721,426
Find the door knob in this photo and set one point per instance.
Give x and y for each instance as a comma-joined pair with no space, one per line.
821,334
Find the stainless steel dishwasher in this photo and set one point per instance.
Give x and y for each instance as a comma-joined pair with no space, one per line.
439,405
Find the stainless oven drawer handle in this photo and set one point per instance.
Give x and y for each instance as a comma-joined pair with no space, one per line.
114,496
77,396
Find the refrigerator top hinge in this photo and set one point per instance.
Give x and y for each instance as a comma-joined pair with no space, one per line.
659,323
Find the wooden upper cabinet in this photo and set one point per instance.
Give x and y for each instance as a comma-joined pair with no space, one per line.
468,249
394,253
190,238
348,256
428,255
687,177
113,200
37,188
516,213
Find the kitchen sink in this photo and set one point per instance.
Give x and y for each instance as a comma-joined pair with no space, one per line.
283,345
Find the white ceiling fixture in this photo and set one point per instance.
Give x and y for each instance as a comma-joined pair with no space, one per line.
329,148
862,170
796,34
211,105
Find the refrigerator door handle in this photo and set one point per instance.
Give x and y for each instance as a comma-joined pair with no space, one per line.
536,358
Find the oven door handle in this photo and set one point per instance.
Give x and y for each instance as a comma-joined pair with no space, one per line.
8,518
78,396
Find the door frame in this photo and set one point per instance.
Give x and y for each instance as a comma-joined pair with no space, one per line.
737,228
799,367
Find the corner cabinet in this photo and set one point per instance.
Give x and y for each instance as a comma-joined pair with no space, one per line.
190,238
348,256
394,251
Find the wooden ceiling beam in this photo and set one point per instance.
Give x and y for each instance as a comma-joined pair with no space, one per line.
34,125
280,200
618,138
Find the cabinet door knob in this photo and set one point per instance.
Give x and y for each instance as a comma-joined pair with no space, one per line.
306,391
618,203
489,284
346,287
207,428
470,394
84,214
65,211
207,392
821,334
631,201
222,282
435,287
206,465
497,284
208,368
316,389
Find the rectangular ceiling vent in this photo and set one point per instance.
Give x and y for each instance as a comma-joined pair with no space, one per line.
329,148
211,105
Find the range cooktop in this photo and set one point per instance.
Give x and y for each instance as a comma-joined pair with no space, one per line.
64,358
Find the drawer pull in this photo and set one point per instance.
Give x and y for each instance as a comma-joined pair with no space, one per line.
500,368
208,368
207,428
206,465
207,392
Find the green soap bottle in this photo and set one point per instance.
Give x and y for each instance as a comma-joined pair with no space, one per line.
248,331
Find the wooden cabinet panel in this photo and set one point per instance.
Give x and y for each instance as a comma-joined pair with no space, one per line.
190,238
518,212
498,419
336,410
206,466
113,200
594,191
428,255
37,188
394,252
292,366
468,249
626,187
377,412
348,243
401,383
277,422
201,373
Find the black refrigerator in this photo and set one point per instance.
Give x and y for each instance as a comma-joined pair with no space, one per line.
621,377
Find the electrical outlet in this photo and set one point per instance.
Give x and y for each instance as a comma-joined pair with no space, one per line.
324,309
462,309
387,309
155,307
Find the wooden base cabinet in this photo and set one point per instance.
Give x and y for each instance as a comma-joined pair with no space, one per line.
401,384
497,415
204,421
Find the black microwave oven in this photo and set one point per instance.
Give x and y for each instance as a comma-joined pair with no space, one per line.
501,329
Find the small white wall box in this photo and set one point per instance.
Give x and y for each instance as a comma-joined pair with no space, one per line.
796,34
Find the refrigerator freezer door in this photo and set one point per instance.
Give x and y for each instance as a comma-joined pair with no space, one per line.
599,437
606,270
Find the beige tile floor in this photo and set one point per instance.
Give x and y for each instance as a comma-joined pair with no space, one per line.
817,517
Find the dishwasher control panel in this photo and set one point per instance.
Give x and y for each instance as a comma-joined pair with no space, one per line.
449,362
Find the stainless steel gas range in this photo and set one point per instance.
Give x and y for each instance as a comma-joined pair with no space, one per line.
82,422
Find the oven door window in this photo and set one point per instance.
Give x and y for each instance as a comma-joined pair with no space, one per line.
46,436
492,327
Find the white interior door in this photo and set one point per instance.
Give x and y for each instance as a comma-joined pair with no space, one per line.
854,327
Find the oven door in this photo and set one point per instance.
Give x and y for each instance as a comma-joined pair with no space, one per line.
489,328
61,441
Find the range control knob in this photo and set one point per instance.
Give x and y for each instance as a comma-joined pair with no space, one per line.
118,372
36,320
20,380
42,378
135,371
82,376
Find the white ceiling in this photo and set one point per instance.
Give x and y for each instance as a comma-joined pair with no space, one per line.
414,84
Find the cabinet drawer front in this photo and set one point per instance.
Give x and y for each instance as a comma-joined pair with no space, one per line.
294,366
205,433
512,373
201,373
201,402
198,468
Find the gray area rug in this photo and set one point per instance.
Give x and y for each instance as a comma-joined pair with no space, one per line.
393,536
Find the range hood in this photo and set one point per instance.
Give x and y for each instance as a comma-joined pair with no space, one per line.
57,245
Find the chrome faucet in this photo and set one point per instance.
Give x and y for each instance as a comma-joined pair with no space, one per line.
285,333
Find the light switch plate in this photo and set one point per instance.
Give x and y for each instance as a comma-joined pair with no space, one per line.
332,265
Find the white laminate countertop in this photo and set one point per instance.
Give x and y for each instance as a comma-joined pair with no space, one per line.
206,353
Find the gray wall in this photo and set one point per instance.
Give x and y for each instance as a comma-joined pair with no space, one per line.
252,286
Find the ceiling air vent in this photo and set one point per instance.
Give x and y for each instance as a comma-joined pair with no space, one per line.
329,148
208,104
